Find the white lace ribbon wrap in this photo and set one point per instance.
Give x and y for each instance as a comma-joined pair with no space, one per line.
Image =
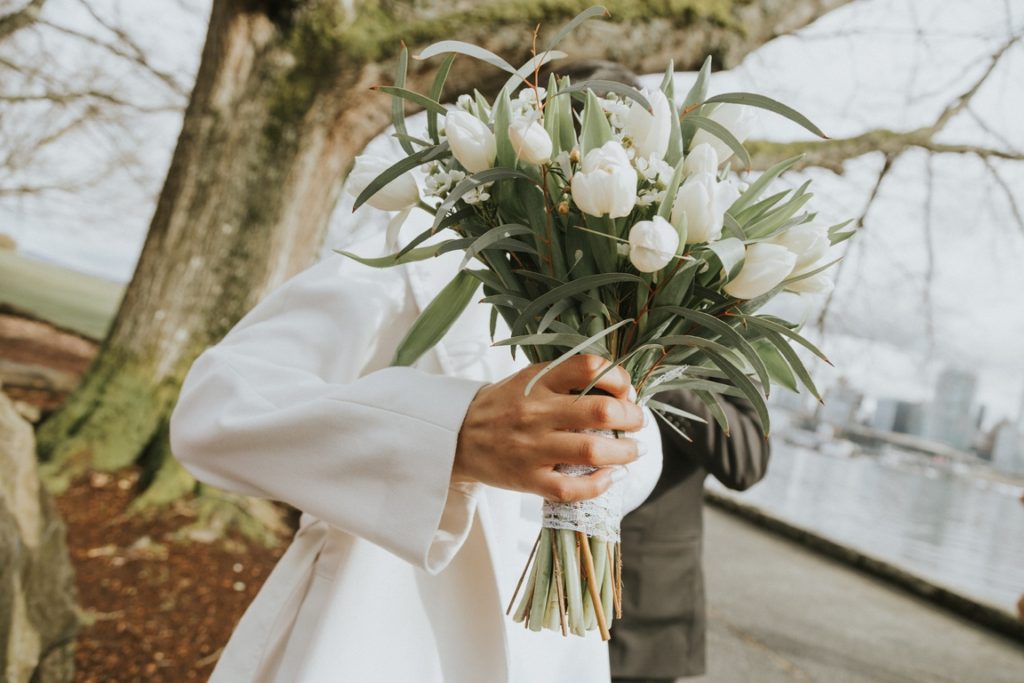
598,517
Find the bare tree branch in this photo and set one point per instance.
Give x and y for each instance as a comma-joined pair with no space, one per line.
15,21
1008,191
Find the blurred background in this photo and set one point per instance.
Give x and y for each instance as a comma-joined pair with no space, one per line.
127,247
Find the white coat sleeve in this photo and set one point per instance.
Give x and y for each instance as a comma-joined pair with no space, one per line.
281,409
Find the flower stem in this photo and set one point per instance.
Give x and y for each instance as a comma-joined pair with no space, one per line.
592,586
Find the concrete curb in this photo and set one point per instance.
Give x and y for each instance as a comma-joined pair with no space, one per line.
981,613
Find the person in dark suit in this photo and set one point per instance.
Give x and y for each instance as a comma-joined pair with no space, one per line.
661,635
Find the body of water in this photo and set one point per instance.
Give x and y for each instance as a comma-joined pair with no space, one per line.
952,527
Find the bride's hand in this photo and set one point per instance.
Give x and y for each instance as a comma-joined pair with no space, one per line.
513,441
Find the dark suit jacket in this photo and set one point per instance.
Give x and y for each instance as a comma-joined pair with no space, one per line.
661,633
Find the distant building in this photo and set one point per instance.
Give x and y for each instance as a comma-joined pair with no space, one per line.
842,401
896,415
1008,448
951,417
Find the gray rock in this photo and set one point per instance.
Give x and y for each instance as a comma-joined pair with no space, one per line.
38,620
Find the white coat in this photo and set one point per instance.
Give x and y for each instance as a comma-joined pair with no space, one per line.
395,574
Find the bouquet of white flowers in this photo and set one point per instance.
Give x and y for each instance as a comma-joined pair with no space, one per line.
619,232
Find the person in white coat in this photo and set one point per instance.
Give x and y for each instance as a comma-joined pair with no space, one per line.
420,487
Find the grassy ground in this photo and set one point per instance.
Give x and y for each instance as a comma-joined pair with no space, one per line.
83,303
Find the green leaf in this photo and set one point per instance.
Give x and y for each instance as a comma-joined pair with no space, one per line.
490,237
595,128
397,106
437,318
665,208
810,273
435,94
410,162
759,185
468,49
714,404
449,220
738,378
836,234
569,289
502,119
669,408
794,362
552,115
674,153
761,322
420,254
573,351
754,100
598,85
566,126
699,89
416,98
726,332
544,339
778,369
585,15
722,133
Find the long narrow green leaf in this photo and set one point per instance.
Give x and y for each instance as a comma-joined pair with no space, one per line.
414,97
397,106
490,237
669,408
544,339
450,220
436,90
410,162
437,318
714,404
794,362
699,90
727,332
459,47
754,100
585,15
595,129
573,351
598,85
729,254
740,379
569,289
722,133
758,186
530,67
764,323
778,369
420,254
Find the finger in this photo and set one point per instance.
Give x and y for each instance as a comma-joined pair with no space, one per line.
562,488
576,373
593,412
589,449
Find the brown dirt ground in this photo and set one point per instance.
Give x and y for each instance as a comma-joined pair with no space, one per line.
157,609
161,609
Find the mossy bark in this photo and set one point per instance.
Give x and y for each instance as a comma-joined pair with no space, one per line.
279,110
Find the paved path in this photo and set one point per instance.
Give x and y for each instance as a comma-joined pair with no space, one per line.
780,613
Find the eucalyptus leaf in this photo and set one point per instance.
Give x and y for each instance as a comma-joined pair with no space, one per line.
405,165
435,94
436,319
602,86
414,97
754,100
585,15
595,129
490,237
573,351
720,132
397,106
459,47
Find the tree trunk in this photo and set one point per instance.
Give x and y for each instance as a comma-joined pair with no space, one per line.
279,110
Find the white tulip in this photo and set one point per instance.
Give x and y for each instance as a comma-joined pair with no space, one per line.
696,202
737,119
606,182
399,194
701,159
809,241
649,131
471,141
652,244
530,141
815,284
765,266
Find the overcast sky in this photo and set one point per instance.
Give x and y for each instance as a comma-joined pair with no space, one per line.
874,63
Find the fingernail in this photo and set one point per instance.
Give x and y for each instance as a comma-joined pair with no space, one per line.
632,393
641,449
619,473
647,418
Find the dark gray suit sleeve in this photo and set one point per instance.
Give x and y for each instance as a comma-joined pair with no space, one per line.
739,460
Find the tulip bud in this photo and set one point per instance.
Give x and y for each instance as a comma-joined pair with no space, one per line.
399,194
652,244
606,182
737,119
701,159
809,241
530,141
649,131
471,141
563,209
696,203
765,266
574,155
